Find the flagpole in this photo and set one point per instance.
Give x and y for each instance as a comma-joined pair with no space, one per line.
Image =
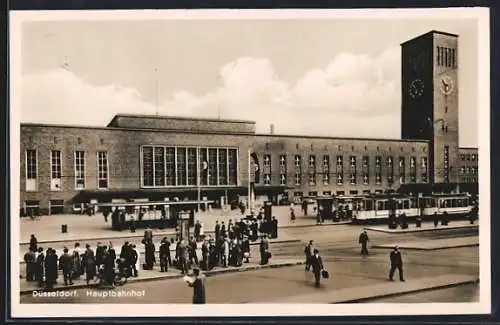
198,179
249,182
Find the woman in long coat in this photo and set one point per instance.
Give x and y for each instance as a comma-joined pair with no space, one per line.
77,270
90,264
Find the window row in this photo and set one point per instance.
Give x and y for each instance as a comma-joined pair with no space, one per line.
468,157
468,170
184,166
56,169
446,57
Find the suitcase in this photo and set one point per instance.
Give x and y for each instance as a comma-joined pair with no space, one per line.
325,274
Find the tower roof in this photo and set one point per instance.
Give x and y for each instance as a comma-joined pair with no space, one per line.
429,34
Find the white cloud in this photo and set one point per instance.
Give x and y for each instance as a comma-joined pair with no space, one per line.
354,95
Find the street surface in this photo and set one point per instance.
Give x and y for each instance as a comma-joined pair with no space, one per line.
341,254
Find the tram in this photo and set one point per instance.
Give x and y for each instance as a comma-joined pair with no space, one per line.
381,206
160,214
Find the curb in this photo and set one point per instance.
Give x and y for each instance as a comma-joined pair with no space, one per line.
397,294
427,249
170,276
419,230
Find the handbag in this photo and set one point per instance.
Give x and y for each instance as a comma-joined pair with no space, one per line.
325,274
269,255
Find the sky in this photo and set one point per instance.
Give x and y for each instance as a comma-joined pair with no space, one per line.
326,77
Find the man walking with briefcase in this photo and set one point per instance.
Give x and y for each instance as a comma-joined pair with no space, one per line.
317,268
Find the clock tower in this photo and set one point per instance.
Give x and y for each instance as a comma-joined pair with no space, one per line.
430,100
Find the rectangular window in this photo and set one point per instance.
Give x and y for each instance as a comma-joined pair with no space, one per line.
366,178
438,55
212,166
56,206
147,166
402,170
298,170
473,157
378,170
79,169
366,162
390,169
267,169
55,170
423,167
170,166
312,170
31,208
159,166
102,169
181,167
413,170
352,164
31,170
340,170
462,157
192,167
453,61
326,170
222,167
283,169
233,166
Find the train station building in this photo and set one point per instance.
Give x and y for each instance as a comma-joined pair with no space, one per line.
138,157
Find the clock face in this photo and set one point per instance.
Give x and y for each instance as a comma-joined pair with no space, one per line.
446,85
416,88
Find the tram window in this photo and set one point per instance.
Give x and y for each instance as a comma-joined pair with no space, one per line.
413,204
400,205
381,205
406,204
368,205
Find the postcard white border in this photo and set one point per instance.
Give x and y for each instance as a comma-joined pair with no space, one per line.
165,310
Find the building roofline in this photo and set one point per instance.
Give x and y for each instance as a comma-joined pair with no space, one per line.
211,133
183,118
335,138
468,148
428,34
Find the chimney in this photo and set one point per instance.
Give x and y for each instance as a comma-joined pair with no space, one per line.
272,129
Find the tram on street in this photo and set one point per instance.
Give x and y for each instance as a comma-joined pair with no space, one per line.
160,214
381,206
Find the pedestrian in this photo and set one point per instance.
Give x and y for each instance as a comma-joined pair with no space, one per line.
183,256
245,247
164,254
40,267
225,252
264,250
205,253
111,251
197,230
51,269
99,255
30,260
217,229
134,260
317,267
109,268
149,254
274,232
193,256
77,263
90,264
435,219
309,252
363,240
292,213
132,224
223,230
66,265
198,285
396,263
33,243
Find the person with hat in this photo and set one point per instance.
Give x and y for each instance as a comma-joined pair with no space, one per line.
66,265
40,267
396,263
309,251
363,240
164,254
317,267
198,284
245,248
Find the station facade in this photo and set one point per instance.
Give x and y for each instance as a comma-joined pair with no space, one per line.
139,157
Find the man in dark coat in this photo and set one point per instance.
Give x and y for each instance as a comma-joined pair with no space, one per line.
33,243
317,267
363,240
274,232
150,254
435,219
164,255
245,248
198,285
217,229
193,246
197,230
223,229
111,251
264,250
51,268
66,265
40,267
309,252
30,260
109,268
396,263
133,261
205,253
99,255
